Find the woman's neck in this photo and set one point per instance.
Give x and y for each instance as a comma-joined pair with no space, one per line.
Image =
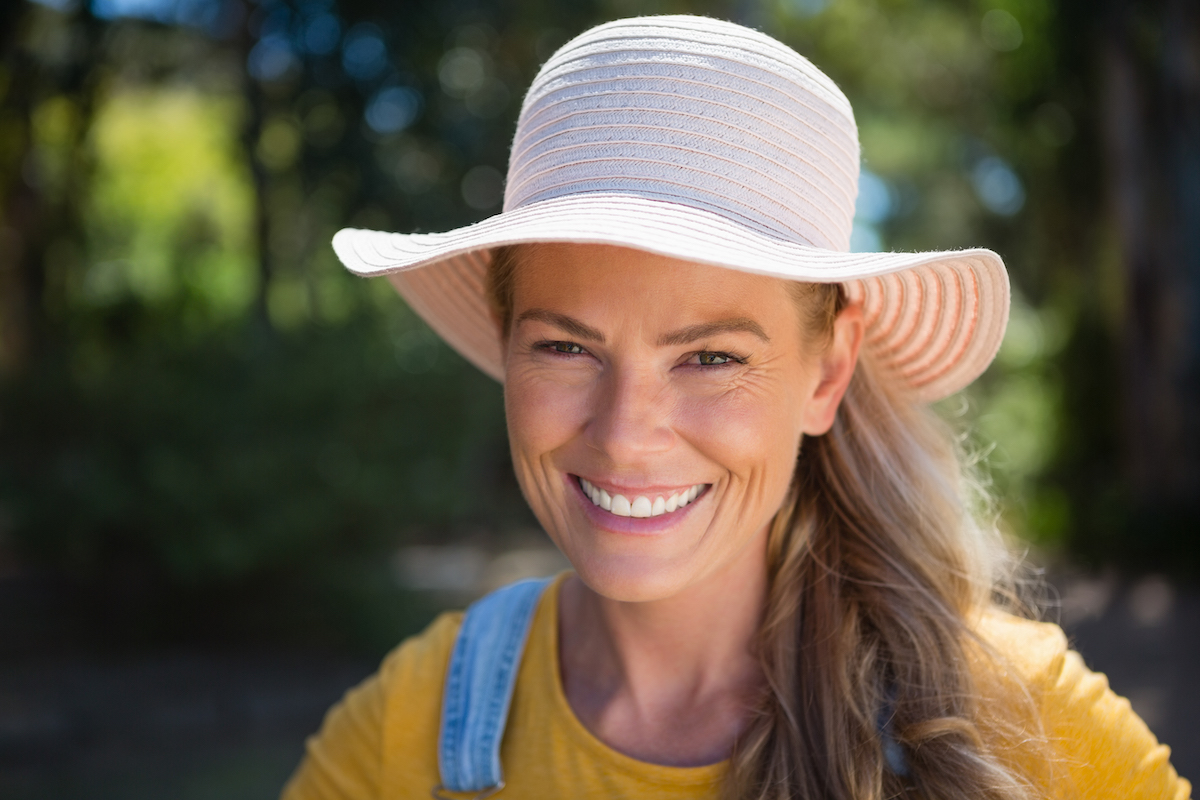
668,681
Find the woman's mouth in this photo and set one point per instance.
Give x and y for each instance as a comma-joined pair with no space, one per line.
640,505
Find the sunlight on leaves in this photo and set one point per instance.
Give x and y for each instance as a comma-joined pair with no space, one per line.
171,209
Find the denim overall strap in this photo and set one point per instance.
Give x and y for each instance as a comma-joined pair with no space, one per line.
479,687
893,753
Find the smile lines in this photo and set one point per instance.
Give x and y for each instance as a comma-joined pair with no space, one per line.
640,506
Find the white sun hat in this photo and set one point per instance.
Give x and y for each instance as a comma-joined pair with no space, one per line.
706,141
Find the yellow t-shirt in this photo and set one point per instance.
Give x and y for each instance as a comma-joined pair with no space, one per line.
381,740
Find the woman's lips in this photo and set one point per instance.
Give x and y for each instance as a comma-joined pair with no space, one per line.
637,515
652,504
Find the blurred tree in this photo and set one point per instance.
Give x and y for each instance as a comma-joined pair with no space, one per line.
48,88
1150,70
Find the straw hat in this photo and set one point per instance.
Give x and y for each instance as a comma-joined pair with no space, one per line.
709,142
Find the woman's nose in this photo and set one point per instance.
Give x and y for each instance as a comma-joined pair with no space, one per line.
631,417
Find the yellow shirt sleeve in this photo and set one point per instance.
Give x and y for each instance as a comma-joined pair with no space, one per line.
342,762
1099,748
1104,746
383,729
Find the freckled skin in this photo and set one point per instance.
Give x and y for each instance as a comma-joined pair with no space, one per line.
656,632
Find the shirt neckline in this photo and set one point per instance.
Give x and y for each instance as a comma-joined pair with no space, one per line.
644,770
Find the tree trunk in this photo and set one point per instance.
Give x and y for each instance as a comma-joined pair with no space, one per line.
251,133
22,213
33,217
1152,121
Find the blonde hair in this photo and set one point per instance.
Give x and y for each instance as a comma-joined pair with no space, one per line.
876,566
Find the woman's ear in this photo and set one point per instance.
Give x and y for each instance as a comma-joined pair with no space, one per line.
837,365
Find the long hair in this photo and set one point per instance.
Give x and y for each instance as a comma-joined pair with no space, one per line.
876,568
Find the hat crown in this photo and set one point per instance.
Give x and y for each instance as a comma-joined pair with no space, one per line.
695,111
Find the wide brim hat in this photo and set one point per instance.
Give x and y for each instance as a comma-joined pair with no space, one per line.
705,141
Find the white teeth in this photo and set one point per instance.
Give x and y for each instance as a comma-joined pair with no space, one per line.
621,506
641,506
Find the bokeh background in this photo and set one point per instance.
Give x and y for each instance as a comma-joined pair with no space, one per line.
232,476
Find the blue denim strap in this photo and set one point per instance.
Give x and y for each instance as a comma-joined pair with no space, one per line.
479,686
893,753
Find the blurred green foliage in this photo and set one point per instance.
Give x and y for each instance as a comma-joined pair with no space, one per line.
255,464
216,461
168,207
203,414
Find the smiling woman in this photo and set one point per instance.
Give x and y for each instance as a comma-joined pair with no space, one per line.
720,417
693,383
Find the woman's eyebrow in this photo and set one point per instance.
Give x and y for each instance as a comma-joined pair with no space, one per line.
567,324
693,332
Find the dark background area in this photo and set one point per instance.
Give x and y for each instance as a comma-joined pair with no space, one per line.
232,476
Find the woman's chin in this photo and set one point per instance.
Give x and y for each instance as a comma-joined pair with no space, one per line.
629,579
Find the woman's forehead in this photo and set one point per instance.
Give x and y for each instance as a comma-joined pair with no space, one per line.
607,280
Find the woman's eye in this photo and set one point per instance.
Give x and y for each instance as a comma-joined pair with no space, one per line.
570,348
713,359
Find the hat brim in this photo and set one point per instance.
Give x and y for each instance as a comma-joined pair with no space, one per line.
934,320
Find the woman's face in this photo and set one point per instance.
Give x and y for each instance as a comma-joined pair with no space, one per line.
655,409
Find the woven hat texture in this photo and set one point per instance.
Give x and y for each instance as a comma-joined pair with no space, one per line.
706,141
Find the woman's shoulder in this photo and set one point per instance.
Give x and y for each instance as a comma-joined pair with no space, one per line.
425,655
1102,748
411,681
385,729
1035,650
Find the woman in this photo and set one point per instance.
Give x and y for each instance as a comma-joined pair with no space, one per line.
717,414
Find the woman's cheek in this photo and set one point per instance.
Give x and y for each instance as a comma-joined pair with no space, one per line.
533,430
739,429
